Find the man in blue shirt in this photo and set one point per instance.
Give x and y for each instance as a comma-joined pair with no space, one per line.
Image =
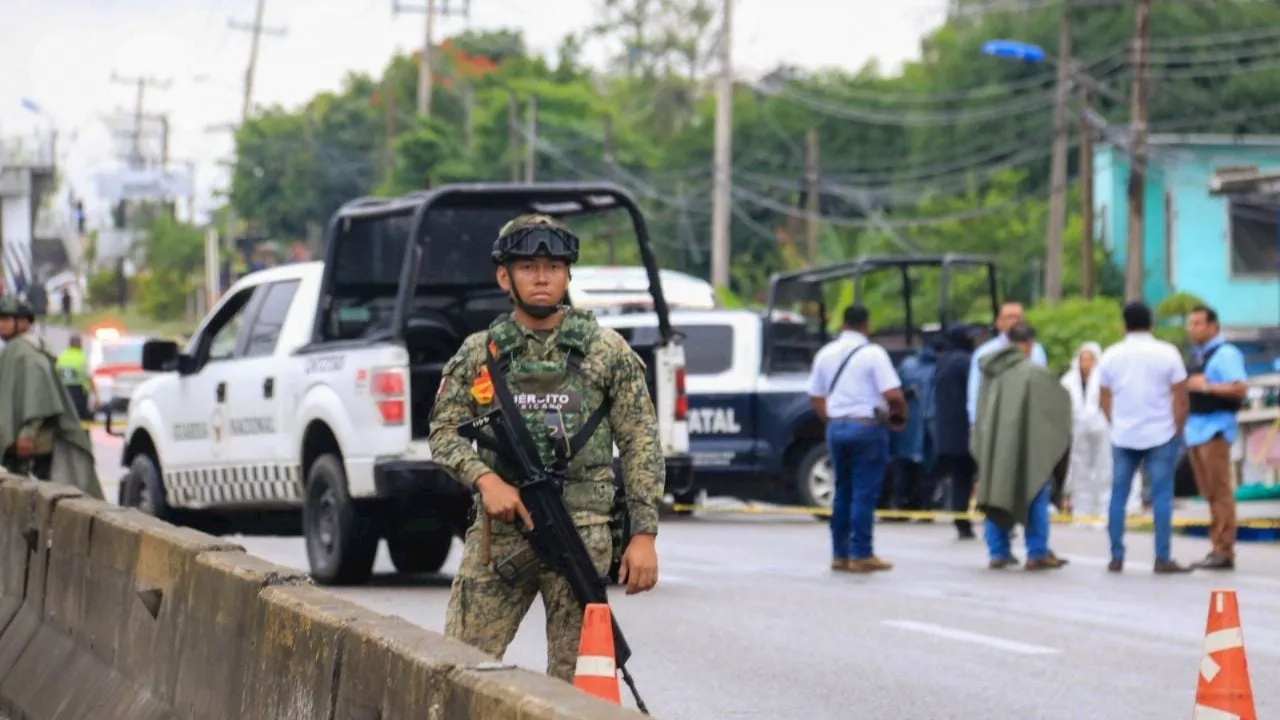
1216,379
1010,315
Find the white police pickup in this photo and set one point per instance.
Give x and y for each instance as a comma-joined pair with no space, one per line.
752,430
310,386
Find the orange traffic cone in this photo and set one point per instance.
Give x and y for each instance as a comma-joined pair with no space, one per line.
1224,692
597,672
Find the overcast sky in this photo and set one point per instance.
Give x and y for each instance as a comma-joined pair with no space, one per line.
61,54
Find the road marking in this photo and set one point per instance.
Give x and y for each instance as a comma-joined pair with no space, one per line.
988,640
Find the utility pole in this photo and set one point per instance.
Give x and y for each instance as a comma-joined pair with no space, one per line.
531,140
1133,274
721,199
812,195
469,125
1058,165
388,123
608,163
426,65
1086,194
136,160
513,136
257,30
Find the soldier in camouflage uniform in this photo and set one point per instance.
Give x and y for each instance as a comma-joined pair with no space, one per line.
554,358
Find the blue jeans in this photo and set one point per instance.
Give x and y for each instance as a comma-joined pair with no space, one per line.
1159,463
859,456
1037,531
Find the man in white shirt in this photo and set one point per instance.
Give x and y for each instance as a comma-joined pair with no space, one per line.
856,391
1143,392
1010,315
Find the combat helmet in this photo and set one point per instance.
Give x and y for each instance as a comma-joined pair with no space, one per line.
15,307
530,236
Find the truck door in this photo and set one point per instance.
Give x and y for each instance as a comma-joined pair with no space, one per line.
200,440
259,422
721,427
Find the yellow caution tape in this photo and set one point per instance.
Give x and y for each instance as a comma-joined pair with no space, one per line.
1131,521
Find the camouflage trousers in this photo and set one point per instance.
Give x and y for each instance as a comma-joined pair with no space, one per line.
485,611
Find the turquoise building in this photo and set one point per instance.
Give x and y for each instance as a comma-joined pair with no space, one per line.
1222,247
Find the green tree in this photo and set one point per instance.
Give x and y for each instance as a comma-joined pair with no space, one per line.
174,254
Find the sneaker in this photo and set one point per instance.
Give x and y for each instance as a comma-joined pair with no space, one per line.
1002,563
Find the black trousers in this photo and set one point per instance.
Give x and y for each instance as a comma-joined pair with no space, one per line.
963,471
80,399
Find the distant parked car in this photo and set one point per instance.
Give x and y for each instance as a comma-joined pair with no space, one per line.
115,365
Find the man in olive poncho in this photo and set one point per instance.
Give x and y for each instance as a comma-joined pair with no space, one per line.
1021,442
40,432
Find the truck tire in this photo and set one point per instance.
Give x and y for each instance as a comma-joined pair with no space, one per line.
341,540
814,482
420,551
143,488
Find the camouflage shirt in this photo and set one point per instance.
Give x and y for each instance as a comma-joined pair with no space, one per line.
541,377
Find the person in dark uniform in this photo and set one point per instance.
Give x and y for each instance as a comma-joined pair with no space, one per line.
952,423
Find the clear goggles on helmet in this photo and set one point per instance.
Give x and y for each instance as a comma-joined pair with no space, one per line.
539,240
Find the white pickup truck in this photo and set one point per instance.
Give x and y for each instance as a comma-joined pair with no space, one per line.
310,386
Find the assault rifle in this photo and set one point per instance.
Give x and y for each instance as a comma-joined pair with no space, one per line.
554,538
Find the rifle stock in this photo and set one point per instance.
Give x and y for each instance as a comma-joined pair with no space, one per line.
554,538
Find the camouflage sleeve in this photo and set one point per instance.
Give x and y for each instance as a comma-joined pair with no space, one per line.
453,406
635,430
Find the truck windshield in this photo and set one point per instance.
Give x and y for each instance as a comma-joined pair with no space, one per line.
372,252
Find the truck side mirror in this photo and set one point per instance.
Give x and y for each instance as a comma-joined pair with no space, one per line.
163,356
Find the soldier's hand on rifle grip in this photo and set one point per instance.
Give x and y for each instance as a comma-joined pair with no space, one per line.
502,501
639,568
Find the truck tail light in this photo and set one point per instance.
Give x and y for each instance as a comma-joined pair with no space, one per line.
387,387
682,399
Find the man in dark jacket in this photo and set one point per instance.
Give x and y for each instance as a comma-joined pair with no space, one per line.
952,423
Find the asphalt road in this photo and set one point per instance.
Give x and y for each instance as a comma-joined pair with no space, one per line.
748,622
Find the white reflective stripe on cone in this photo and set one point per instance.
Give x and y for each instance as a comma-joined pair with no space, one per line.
596,666
1208,713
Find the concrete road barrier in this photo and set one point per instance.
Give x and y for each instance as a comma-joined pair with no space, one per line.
110,614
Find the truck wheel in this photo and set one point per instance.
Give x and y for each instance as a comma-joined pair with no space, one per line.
815,480
341,540
420,551
143,489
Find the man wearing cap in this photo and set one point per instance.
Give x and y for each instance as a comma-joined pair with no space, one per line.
554,358
40,432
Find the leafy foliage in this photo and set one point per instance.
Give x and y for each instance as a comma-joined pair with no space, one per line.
950,155
175,253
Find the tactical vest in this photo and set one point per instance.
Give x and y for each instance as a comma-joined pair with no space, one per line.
1206,403
560,374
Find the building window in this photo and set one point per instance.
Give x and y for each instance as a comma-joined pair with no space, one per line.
708,349
1255,236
